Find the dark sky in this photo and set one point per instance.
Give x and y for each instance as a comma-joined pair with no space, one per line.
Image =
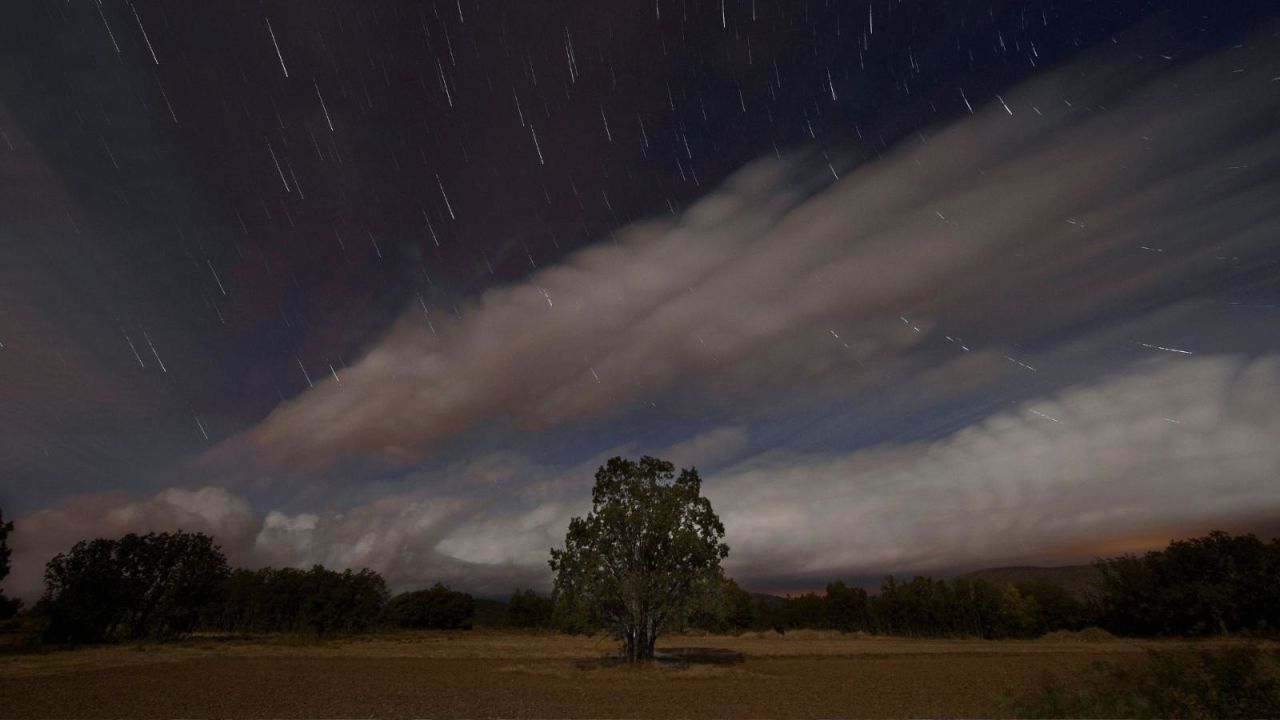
917,285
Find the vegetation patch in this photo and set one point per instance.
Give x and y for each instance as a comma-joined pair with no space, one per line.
1228,682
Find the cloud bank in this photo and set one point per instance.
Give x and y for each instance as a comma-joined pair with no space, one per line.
412,539
1180,446
1177,445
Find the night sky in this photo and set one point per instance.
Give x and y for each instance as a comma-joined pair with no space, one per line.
917,286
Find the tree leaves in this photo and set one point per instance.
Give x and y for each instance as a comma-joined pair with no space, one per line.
154,585
650,546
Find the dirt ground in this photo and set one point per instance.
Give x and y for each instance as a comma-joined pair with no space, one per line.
484,675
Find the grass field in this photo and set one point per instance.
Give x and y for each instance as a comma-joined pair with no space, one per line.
483,674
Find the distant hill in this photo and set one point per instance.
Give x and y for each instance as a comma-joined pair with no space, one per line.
1076,579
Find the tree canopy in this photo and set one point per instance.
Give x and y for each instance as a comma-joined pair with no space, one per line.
1219,583
437,607
154,585
318,600
646,553
526,609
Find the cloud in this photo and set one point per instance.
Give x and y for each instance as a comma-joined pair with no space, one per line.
1187,444
1004,225
41,535
412,538
1086,204
707,448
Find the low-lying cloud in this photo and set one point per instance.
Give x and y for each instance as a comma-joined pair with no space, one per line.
1186,444
411,538
1176,446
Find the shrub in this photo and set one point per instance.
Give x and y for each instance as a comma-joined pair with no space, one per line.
438,608
726,609
1209,585
318,600
1234,682
527,610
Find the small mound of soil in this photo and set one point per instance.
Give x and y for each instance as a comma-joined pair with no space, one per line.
1089,634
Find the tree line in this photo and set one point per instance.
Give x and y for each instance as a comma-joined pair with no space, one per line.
1219,583
920,607
160,586
1211,585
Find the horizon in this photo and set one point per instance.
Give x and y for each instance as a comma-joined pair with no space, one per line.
916,292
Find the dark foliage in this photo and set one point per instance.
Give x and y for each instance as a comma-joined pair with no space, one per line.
437,608
642,558
1056,607
1219,583
289,600
1233,682
727,609
526,609
140,586
1077,580
1215,584
158,586
490,613
8,606
921,607
847,609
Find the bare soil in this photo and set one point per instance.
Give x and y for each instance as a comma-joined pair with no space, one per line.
493,675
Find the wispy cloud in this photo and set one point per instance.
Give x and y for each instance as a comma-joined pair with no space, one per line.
1001,226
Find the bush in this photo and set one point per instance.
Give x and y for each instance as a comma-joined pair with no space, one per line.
342,602
141,586
938,608
725,609
438,608
1215,584
847,608
1236,682
527,610
1058,610
318,600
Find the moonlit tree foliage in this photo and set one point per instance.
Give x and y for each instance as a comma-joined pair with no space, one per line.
650,547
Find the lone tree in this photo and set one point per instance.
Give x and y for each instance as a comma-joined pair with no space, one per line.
648,550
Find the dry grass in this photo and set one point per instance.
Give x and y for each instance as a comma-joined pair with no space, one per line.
482,674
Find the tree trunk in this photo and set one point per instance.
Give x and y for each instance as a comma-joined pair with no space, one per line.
644,643
638,640
629,644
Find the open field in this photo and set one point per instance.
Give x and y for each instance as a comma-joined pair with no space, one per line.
480,674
